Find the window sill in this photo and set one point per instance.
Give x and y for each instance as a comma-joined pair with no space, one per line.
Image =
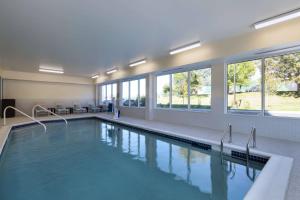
244,112
184,110
133,107
284,115
276,115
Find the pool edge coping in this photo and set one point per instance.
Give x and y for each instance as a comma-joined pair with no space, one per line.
266,186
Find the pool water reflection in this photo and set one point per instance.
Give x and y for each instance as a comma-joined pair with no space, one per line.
93,159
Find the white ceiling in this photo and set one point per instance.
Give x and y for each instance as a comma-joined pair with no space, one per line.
88,36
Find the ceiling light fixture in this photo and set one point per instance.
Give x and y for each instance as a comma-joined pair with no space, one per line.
95,76
112,70
277,19
139,62
49,69
185,48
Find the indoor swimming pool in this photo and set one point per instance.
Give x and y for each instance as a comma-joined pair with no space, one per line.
96,159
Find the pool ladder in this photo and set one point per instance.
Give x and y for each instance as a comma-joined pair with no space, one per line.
11,107
222,140
39,106
253,139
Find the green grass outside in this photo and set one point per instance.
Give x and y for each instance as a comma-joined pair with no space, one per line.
247,101
196,102
252,101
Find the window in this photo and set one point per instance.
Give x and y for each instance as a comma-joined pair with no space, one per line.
185,90
134,93
142,89
125,93
281,85
200,89
114,91
180,90
108,93
163,91
103,93
244,85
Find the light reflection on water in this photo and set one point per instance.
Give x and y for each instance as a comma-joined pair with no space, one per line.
196,167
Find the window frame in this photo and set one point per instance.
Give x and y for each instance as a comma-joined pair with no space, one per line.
262,112
129,93
139,92
188,69
243,111
121,96
111,92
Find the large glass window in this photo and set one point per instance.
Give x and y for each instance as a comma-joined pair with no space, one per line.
142,89
180,90
134,93
125,93
244,85
103,93
185,90
200,88
163,91
114,91
281,85
108,92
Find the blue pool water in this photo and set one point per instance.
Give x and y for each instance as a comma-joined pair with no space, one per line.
93,159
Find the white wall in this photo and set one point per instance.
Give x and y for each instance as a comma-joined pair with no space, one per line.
44,77
217,53
275,127
28,93
275,36
133,112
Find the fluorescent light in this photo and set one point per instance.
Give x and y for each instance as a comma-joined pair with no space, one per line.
111,71
185,48
137,63
95,76
277,19
51,71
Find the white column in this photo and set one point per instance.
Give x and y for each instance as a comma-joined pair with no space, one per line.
150,96
96,94
119,93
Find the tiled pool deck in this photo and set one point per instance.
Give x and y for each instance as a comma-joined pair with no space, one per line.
269,145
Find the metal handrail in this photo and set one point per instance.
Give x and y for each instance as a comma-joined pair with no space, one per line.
4,116
34,107
253,139
223,137
222,140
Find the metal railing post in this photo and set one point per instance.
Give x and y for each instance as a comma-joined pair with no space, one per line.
4,116
34,107
222,140
253,138
230,133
